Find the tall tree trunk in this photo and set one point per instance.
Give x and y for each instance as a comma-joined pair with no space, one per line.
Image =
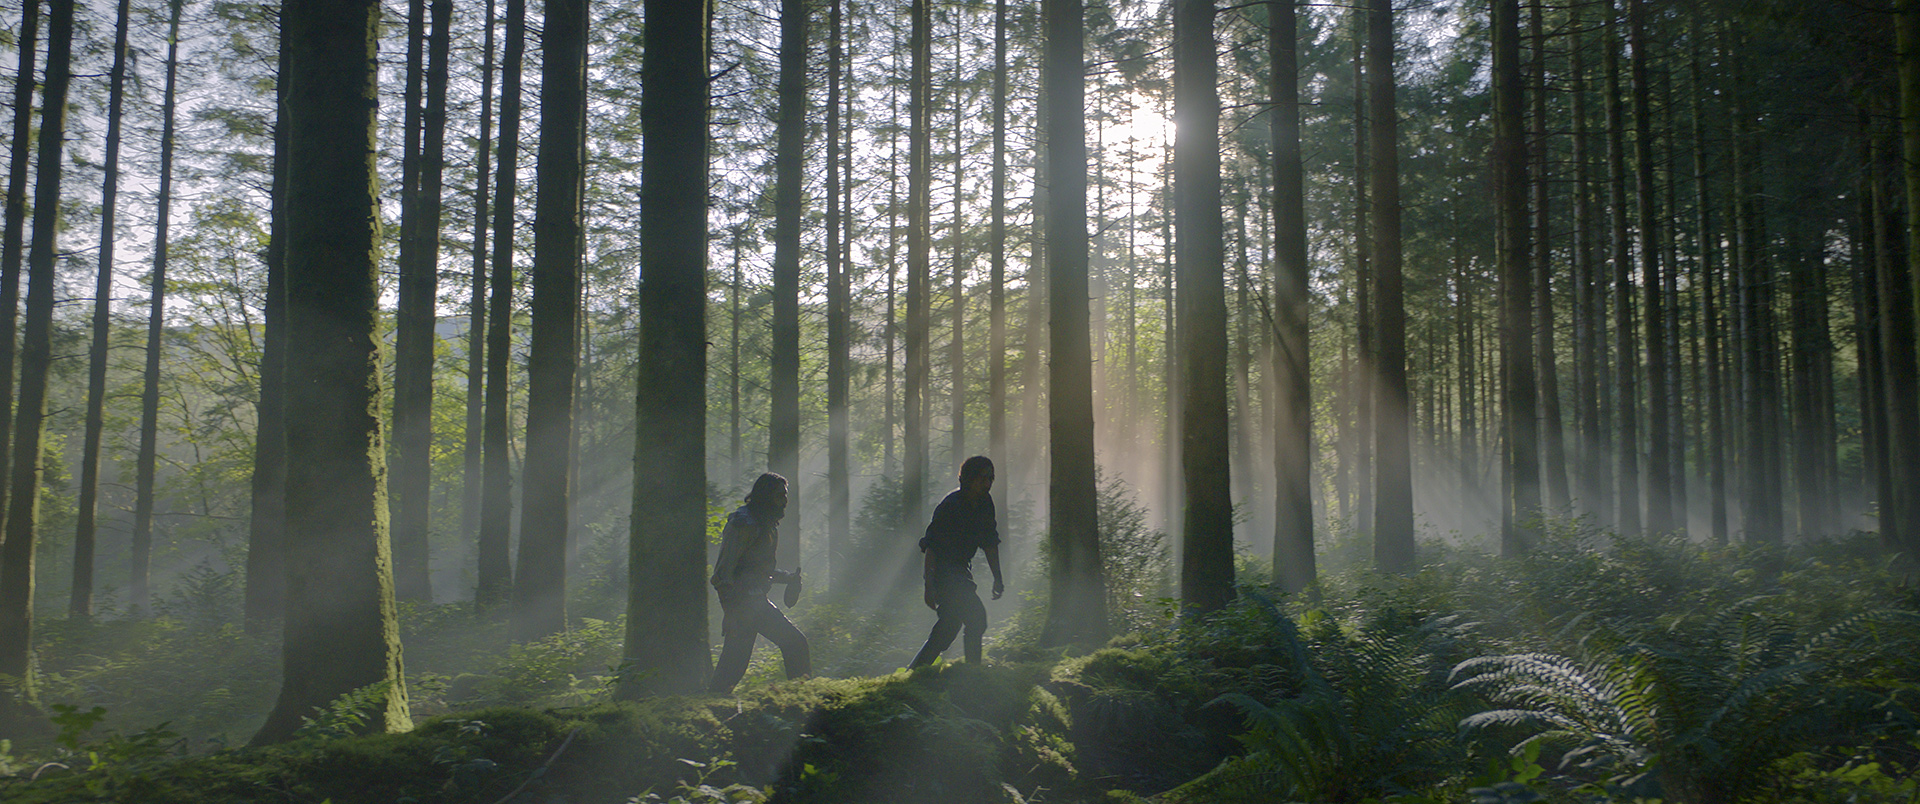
666,639
1710,328
13,235
919,258
1760,494
789,160
80,596
540,588
1206,568
414,335
1520,511
1906,443
1393,518
1553,445
1589,317
1293,560
495,560
1077,608
342,632
139,592
266,593
997,250
1901,392
839,312
1365,335
735,438
1660,514
957,288
1627,372
472,440
17,553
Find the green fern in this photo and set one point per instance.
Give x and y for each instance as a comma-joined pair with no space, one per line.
1359,716
1701,715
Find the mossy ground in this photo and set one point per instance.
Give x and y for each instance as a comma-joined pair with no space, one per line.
1351,697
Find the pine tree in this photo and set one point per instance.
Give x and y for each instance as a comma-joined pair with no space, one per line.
1206,569
17,553
553,356
1076,612
342,633
80,597
666,638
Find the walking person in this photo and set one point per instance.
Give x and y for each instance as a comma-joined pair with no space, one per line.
962,525
742,575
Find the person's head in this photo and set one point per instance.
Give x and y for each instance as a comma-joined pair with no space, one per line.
769,494
976,476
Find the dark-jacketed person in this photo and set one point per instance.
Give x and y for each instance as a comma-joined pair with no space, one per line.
742,575
962,525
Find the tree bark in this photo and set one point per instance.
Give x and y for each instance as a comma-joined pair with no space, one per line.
1627,372
1660,513
783,422
1521,511
342,633
472,447
1906,541
919,259
1710,325
1293,559
1393,411
839,312
80,596
1206,567
997,250
139,592
666,639
1552,430
17,553
414,335
266,594
495,581
13,230
553,356
1076,611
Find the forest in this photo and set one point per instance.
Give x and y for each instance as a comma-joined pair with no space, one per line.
1420,401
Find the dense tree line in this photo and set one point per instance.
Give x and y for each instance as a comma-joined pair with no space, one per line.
1307,277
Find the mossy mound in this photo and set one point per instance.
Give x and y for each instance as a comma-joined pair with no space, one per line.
949,733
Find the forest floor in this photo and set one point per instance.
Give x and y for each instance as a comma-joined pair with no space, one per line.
1594,670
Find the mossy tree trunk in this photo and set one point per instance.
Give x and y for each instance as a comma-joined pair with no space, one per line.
17,554
342,632
13,229
666,639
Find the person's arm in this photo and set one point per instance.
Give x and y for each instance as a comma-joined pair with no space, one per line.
731,545
926,577
993,563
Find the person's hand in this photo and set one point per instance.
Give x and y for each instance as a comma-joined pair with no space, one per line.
998,589
928,597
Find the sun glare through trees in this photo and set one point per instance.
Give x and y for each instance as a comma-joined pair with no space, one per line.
1383,401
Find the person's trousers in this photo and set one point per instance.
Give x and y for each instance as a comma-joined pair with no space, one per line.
959,608
743,619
